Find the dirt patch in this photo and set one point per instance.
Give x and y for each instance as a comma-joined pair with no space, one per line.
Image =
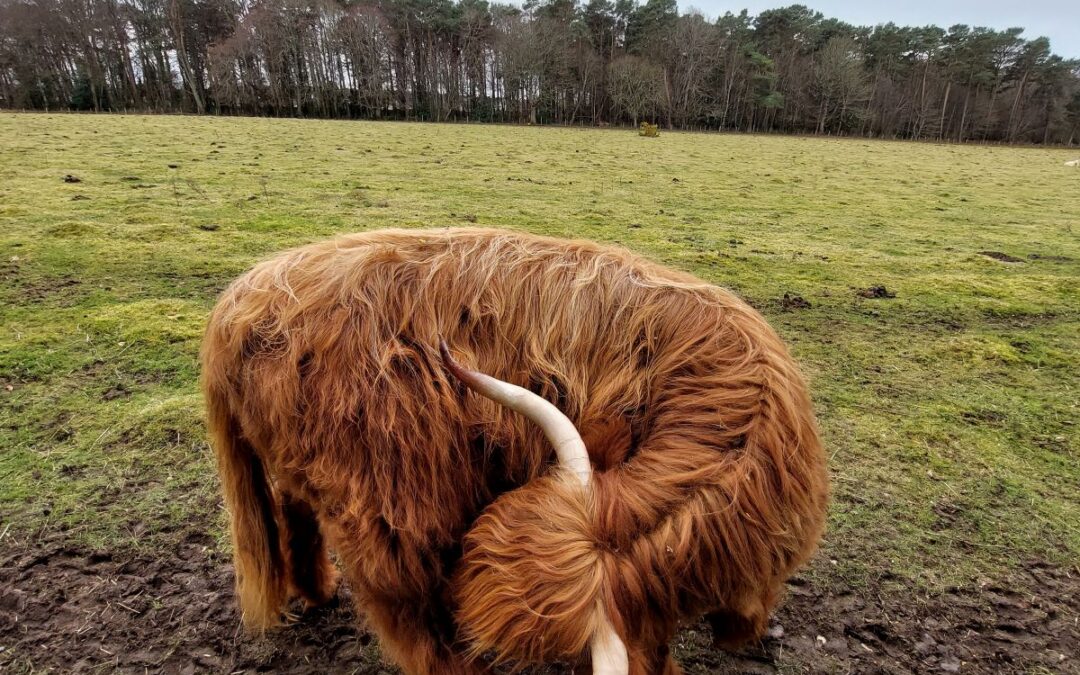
63,610
983,417
1022,319
1050,258
1023,623
875,292
63,291
792,302
67,610
115,392
1003,257
9,269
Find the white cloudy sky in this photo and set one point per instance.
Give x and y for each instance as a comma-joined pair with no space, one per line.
1058,20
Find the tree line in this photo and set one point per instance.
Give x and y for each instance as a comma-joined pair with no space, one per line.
550,62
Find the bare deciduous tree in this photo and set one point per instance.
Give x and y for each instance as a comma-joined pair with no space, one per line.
635,86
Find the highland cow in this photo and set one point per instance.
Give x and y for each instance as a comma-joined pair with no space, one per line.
338,424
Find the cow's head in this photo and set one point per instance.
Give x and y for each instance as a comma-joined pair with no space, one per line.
609,655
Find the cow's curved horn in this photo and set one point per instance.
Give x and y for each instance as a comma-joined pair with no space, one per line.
608,651
569,447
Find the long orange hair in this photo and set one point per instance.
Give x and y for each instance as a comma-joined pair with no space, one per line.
336,424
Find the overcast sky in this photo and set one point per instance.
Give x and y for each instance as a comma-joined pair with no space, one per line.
1058,20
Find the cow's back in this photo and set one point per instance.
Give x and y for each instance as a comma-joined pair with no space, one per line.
331,352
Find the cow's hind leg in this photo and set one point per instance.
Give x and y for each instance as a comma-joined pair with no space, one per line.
312,575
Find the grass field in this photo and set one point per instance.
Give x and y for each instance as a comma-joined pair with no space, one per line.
951,411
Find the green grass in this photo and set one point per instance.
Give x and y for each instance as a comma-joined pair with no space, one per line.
950,412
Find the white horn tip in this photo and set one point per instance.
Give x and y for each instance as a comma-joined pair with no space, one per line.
609,655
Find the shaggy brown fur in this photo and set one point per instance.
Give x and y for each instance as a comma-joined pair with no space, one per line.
323,379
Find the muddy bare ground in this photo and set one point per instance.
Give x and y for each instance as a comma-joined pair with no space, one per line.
66,610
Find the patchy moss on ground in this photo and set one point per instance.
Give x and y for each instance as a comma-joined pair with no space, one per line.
950,410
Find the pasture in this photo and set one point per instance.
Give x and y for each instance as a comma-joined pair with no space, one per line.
930,292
